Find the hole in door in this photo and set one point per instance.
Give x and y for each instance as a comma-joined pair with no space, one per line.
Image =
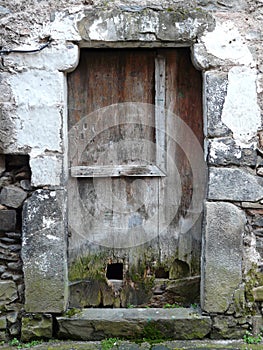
115,271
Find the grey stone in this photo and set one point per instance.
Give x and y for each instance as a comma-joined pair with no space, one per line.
15,329
187,289
12,317
15,265
227,327
233,184
85,293
3,322
7,220
260,171
92,324
15,235
12,196
7,240
2,268
6,276
107,26
36,327
2,162
224,151
215,89
11,247
6,180
250,205
8,292
17,278
44,252
222,255
4,11
6,255
221,5
25,184
14,307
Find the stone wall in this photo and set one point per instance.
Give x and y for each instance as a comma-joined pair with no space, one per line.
15,188
226,42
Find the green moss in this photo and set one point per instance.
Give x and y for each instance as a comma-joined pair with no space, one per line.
72,312
254,279
108,344
88,267
150,332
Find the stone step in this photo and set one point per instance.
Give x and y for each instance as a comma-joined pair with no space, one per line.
139,323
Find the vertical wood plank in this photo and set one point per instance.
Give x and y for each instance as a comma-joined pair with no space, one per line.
160,134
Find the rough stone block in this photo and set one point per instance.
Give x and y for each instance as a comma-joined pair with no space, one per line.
227,327
234,185
46,171
59,57
241,112
37,88
12,196
7,220
41,128
258,293
8,292
92,324
36,327
147,25
224,151
215,89
222,255
3,322
186,289
44,252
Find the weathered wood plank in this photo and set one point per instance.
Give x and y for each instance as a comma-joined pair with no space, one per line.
160,118
116,171
105,77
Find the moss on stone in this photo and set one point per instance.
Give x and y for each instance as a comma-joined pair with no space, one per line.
72,312
88,267
254,278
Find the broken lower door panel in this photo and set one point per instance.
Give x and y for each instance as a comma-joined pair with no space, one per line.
134,224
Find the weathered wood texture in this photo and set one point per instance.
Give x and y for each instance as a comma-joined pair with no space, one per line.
105,77
117,209
116,171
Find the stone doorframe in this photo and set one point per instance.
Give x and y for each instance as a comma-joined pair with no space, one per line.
228,72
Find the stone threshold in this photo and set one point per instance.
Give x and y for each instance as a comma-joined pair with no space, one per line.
139,323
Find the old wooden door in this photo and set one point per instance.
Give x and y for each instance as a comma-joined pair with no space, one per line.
131,178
